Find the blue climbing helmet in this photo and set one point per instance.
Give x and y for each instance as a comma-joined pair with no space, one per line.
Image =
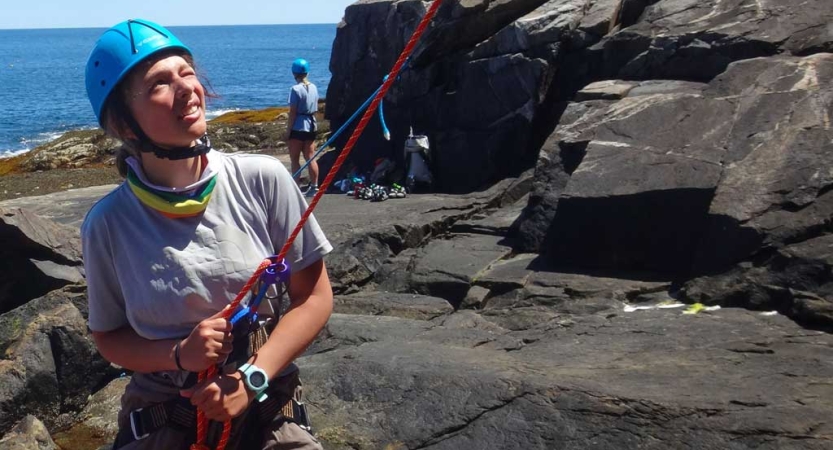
300,66
120,49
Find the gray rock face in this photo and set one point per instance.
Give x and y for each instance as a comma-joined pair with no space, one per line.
697,40
408,306
85,148
49,365
649,379
29,434
445,268
475,83
541,359
98,421
65,207
486,81
369,235
774,187
794,280
74,149
36,257
682,183
605,90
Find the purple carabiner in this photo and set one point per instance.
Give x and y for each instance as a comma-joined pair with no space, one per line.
278,270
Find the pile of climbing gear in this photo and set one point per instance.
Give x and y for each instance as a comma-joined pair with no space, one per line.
377,192
397,191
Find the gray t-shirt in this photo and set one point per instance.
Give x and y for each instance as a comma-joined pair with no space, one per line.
305,99
162,276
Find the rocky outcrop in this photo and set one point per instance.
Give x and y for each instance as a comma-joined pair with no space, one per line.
532,357
378,303
455,90
692,181
777,162
679,153
48,362
251,131
29,434
698,40
794,280
74,149
37,256
610,380
489,80
374,237
63,207
98,422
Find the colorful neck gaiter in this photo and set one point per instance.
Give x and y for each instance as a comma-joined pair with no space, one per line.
169,204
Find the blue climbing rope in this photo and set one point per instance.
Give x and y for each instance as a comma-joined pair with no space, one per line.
385,130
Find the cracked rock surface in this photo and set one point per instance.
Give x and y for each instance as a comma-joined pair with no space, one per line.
636,251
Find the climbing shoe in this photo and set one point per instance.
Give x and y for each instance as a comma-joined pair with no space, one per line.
397,191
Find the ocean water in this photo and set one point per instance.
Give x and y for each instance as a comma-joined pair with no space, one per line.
42,90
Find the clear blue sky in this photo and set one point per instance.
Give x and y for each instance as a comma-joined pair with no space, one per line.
104,13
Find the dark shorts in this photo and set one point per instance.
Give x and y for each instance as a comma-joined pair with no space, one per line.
302,135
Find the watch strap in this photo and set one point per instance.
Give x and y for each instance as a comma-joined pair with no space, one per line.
246,369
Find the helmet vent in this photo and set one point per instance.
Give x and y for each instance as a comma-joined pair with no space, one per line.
97,63
103,82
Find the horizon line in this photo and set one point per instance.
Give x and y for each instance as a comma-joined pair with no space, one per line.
168,26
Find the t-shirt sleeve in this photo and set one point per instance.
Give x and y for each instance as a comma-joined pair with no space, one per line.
104,295
294,98
287,207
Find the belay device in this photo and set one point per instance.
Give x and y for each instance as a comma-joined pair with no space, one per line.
247,326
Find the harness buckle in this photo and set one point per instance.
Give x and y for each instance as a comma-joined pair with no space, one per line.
301,418
137,434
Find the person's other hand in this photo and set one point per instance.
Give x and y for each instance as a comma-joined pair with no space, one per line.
208,343
221,398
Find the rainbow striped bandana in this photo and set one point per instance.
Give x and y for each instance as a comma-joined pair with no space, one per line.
170,204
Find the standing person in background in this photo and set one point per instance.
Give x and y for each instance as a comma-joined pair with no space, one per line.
301,125
166,252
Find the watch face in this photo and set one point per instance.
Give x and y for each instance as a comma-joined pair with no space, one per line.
257,379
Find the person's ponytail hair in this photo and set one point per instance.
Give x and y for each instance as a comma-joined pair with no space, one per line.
302,78
115,118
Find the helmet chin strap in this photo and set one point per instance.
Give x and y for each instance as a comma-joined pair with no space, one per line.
147,145
202,147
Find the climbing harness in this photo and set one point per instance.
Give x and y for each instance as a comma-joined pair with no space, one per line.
178,413
274,262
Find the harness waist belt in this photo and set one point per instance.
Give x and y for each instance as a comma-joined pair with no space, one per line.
179,413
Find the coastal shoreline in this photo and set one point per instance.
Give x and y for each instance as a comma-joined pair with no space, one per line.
41,171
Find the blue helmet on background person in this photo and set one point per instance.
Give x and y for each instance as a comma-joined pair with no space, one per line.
300,66
118,51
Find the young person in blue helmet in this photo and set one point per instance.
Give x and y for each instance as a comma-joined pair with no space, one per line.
169,249
301,124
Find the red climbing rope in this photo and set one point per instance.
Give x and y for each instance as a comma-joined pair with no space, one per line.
202,422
